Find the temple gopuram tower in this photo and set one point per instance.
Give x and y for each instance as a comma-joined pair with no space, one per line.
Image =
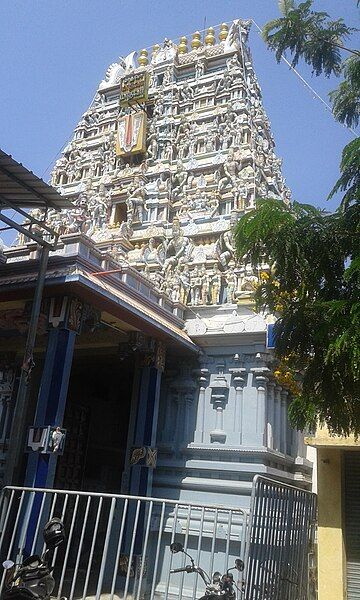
174,147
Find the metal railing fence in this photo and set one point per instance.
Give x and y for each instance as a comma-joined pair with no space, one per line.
280,544
117,546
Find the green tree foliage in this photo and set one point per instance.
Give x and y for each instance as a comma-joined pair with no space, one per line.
309,35
312,279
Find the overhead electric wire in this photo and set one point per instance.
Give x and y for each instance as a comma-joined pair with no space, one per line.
308,86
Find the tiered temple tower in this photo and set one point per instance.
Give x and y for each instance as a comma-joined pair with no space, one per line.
173,149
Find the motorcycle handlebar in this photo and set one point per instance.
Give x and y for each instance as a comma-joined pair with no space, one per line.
187,569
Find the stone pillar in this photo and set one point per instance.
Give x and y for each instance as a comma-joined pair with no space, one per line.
65,318
51,402
142,454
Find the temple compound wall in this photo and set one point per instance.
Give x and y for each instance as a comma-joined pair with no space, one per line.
174,147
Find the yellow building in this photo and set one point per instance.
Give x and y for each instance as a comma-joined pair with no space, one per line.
338,465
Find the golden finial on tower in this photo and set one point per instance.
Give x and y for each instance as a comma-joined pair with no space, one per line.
196,41
210,37
182,47
143,59
224,30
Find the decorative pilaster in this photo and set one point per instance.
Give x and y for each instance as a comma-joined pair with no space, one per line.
277,418
200,416
284,419
270,414
219,397
238,380
261,408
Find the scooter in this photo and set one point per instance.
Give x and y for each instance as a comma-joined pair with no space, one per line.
32,579
219,585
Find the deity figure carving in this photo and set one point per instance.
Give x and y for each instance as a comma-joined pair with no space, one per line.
79,217
163,182
99,100
167,52
125,230
179,180
135,201
215,286
157,279
175,287
166,151
225,83
182,132
225,247
198,203
159,107
205,286
152,143
99,207
214,203
210,142
199,69
249,280
78,169
168,76
178,249
152,253
231,284
108,147
184,276
233,65
186,93
195,287
91,117
230,171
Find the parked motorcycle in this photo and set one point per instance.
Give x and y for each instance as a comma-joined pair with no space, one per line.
32,579
219,585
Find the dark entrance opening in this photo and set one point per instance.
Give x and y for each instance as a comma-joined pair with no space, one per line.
96,419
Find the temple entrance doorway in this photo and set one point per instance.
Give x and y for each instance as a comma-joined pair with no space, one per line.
96,418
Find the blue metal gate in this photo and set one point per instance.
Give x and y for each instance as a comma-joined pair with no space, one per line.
281,542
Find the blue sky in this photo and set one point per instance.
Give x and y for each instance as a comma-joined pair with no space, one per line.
55,52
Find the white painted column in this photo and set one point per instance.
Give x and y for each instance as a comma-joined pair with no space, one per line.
270,414
239,408
277,418
200,415
284,395
261,408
